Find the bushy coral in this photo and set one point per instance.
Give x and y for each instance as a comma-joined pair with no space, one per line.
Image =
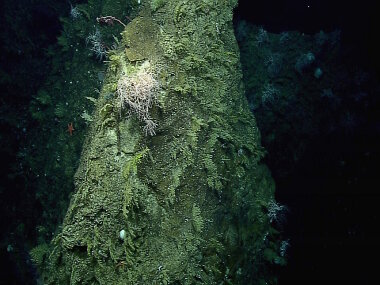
269,94
139,92
97,45
39,254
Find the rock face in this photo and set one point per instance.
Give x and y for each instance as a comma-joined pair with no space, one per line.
186,203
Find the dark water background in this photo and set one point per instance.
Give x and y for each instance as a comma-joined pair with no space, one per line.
332,190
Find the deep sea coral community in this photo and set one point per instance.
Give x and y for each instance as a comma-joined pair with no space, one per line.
169,188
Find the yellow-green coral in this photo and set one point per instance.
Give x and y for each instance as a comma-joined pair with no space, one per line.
39,254
156,4
197,219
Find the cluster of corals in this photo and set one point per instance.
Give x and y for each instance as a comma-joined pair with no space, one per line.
139,93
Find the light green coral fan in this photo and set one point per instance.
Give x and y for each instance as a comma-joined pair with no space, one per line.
190,199
39,254
197,218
